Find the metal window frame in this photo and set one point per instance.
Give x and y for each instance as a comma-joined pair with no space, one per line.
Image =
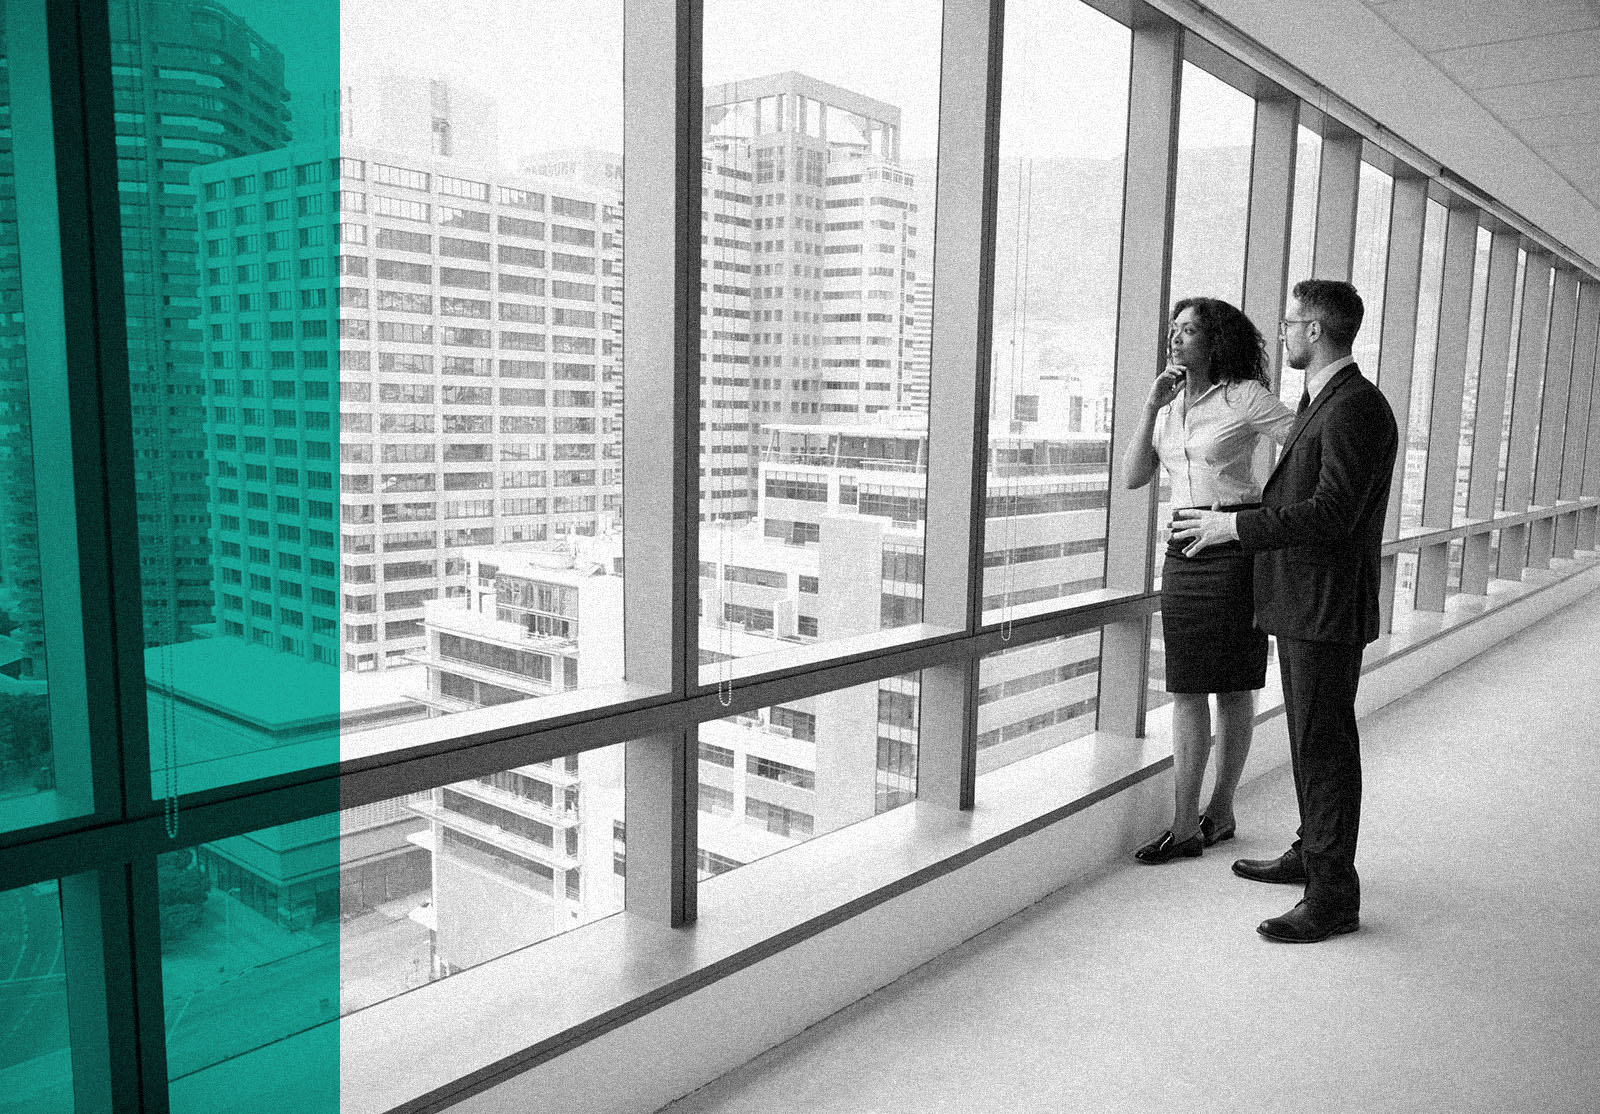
1150,170
1444,415
1535,324
1580,398
1338,192
105,858
1491,405
1408,213
1553,418
1586,481
959,387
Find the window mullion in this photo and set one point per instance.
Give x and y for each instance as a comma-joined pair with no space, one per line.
1586,484
79,408
1444,419
1338,189
1491,406
1552,422
1149,188
958,402
1266,252
661,294
1579,399
1525,410
1401,285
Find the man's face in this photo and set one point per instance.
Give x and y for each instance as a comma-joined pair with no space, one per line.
1296,336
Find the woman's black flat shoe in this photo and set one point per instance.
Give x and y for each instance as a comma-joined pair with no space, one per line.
1164,848
1212,834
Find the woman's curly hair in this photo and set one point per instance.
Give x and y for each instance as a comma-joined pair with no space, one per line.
1238,352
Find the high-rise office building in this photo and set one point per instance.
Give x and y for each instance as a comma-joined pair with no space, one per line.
845,558
810,196
471,320
194,84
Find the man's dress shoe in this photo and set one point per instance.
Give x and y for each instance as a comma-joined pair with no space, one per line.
1287,867
1302,925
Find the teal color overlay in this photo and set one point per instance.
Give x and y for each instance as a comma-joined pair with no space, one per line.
35,1060
27,756
227,156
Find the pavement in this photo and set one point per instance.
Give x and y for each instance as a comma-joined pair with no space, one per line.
35,1067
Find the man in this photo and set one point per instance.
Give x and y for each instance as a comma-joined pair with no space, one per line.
1316,540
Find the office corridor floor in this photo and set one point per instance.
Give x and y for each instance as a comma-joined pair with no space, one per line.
1473,985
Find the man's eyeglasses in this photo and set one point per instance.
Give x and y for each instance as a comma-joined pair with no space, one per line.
1285,322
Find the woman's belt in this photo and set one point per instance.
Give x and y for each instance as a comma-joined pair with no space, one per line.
1176,546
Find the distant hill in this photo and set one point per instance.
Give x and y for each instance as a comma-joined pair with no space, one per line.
1072,212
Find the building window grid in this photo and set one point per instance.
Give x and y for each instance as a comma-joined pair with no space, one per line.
763,814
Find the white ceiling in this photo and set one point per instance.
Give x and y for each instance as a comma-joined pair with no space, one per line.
1506,93
1534,64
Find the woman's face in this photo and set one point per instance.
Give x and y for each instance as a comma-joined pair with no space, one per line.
1186,341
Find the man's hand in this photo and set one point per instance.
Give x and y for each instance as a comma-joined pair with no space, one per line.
1202,529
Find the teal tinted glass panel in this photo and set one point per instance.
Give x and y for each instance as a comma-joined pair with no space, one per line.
42,777
35,1054
227,170
250,970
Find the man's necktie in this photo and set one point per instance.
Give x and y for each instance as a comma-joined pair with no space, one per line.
1305,400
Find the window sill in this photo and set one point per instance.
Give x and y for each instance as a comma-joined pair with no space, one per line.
522,1009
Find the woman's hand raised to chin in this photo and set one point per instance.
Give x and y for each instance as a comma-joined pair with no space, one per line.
1166,386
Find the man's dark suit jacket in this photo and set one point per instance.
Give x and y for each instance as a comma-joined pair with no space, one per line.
1318,533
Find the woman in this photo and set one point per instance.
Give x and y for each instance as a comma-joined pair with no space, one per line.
1202,421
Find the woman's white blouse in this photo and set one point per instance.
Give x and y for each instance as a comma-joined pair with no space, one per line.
1208,446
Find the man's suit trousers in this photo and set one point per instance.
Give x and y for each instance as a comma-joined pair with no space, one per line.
1319,695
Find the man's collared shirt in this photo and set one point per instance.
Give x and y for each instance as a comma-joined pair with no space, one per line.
1317,382
1314,387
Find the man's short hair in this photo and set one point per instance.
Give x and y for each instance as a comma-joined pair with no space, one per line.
1335,304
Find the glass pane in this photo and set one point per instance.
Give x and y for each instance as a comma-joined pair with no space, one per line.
778,776
480,355
1469,396
35,1049
443,274
1036,698
250,970
1544,376
1216,128
517,857
1422,365
1511,383
33,787
1055,304
818,190
1216,124
1302,243
229,229
269,937
1405,584
1369,269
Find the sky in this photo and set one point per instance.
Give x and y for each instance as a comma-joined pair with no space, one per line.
556,67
